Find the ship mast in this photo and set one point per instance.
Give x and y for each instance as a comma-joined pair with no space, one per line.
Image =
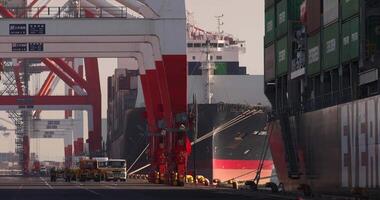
208,68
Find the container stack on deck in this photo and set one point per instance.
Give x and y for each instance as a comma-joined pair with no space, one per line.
321,68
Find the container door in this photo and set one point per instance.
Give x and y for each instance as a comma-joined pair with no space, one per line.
269,25
314,58
269,65
354,39
349,8
330,11
330,46
282,18
282,56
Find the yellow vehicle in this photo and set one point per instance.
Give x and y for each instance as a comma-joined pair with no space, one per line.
88,170
116,170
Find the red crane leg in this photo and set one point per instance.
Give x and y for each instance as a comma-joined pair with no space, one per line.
69,113
45,90
167,112
46,85
94,93
26,147
5,12
173,74
71,72
16,71
54,68
153,103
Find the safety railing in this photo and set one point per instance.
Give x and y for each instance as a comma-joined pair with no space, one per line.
330,99
322,101
73,12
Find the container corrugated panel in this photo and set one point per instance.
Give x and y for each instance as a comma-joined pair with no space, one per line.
282,51
330,46
269,63
270,25
314,54
350,40
330,11
313,10
349,8
269,3
286,10
220,68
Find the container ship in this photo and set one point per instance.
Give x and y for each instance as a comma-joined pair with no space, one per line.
321,77
231,119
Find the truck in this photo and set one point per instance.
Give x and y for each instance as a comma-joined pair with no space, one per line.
88,170
116,170
102,165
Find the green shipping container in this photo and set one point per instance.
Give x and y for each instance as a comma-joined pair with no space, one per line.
330,46
220,68
286,10
269,25
349,8
282,51
314,54
350,40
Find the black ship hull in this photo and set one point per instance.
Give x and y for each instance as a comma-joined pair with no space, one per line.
233,153
337,148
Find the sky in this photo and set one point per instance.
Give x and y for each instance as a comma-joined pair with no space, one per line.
242,18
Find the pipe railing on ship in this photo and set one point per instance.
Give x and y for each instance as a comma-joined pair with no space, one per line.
321,101
139,169
229,124
71,12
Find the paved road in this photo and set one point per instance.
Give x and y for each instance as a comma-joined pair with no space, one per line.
38,188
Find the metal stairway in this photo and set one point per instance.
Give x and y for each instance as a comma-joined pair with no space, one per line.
287,128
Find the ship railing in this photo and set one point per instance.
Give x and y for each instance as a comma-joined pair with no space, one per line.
322,101
330,99
73,12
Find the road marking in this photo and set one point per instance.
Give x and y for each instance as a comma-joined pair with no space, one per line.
110,187
46,183
88,190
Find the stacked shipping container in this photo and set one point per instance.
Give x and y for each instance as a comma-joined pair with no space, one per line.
337,34
342,68
281,18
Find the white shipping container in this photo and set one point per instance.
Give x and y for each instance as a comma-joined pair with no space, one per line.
330,11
